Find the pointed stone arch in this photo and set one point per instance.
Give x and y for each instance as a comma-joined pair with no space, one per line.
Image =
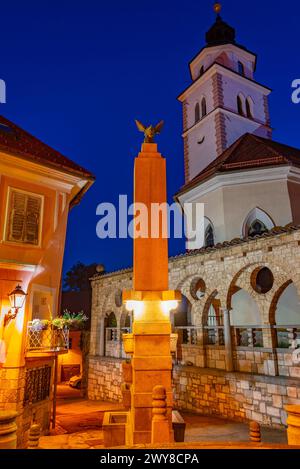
207,305
256,214
209,233
275,299
197,112
203,107
249,107
240,102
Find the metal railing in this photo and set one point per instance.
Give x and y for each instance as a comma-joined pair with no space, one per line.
46,340
37,384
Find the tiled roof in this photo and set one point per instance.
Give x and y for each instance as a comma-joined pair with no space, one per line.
248,152
276,231
18,142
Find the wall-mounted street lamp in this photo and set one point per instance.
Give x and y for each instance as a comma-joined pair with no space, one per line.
17,299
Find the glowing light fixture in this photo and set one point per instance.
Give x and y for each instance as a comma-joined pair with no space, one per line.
136,306
168,305
17,300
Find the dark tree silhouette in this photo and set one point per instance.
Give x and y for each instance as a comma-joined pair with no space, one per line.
77,278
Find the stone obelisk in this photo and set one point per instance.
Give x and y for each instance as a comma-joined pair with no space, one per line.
150,298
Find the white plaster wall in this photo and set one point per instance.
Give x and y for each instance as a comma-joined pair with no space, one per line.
244,311
233,86
214,210
228,207
288,307
237,126
200,155
204,89
239,200
234,54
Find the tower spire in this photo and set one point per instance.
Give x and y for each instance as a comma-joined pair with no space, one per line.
220,33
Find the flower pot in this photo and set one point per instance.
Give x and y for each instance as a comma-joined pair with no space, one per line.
128,343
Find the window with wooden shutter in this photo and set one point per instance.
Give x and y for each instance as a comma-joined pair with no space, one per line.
24,217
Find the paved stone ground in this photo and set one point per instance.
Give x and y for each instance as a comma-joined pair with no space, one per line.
79,424
202,428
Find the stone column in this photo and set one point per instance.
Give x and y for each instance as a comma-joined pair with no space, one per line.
227,339
270,341
293,422
8,429
102,337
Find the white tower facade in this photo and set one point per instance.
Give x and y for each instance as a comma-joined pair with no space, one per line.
223,102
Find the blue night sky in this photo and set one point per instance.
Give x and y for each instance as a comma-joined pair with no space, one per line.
79,73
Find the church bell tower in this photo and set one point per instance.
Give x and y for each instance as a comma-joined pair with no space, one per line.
223,101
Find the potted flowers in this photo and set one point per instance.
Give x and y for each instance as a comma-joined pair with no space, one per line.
39,324
74,321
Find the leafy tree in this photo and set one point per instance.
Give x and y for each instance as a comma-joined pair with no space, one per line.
77,278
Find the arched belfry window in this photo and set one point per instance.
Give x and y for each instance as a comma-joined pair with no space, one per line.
197,113
240,108
203,107
249,108
257,222
241,68
209,236
257,227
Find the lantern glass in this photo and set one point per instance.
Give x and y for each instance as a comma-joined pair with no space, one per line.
17,297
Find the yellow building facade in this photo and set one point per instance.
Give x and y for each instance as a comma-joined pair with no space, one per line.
38,186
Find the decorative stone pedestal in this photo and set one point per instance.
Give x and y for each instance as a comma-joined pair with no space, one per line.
8,429
151,365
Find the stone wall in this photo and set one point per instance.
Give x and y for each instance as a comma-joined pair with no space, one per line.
224,269
237,396
187,353
286,367
12,383
215,357
234,395
42,414
12,388
105,377
260,360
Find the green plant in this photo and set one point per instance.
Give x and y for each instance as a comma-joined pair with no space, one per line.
67,320
74,320
58,323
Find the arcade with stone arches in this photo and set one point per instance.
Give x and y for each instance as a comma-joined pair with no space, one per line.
236,299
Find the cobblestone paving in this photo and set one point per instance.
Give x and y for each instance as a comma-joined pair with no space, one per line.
200,430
